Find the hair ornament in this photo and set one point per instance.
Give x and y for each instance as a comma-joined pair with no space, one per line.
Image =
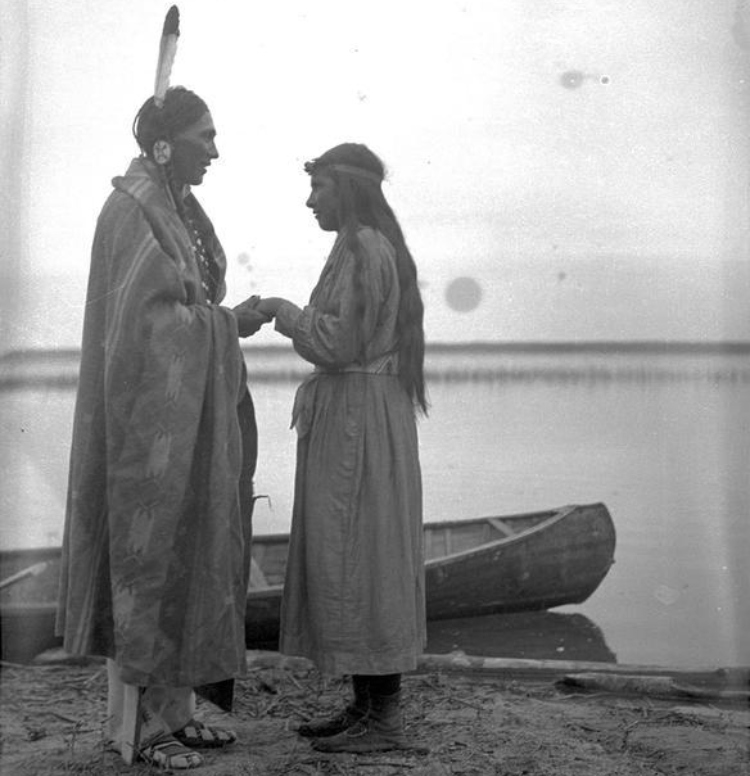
162,151
167,51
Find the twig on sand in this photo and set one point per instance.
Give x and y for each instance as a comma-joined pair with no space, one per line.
294,680
475,706
626,733
91,679
64,718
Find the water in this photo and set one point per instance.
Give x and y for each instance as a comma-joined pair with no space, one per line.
662,439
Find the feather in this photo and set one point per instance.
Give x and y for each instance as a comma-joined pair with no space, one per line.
167,51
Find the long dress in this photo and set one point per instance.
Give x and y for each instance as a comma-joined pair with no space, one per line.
157,529
354,590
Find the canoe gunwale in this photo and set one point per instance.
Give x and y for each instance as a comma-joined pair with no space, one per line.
505,541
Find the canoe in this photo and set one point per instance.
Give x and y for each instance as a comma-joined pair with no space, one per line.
487,565
474,567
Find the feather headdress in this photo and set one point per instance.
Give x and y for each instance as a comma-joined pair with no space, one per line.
167,51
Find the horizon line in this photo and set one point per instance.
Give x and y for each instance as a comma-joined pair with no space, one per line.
59,367
650,345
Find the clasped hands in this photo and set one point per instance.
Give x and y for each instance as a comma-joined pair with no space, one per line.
254,312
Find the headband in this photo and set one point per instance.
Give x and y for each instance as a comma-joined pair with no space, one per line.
357,171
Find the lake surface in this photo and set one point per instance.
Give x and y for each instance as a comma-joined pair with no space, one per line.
662,438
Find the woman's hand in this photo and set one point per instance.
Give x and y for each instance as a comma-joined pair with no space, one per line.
249,317
269,306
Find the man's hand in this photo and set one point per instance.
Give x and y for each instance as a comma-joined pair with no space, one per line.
249,318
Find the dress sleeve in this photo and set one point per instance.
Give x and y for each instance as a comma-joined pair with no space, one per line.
324,332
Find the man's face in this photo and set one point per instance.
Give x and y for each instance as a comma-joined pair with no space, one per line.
193,149
324,202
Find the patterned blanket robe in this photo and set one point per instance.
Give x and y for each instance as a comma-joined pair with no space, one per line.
157,530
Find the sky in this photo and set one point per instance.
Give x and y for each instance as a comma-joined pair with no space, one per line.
562,169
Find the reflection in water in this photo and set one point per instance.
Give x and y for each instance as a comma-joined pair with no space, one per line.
528,635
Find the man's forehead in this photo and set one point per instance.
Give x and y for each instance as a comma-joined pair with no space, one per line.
204,126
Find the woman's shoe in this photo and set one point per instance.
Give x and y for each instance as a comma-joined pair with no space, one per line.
355,711
321,728
382,729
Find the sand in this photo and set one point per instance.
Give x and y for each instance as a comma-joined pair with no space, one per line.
52,715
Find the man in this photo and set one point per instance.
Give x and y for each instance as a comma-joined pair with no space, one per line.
156,549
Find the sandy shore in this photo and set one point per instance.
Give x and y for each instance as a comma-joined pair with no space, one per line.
476,717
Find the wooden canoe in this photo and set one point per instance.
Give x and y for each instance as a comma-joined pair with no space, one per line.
488,565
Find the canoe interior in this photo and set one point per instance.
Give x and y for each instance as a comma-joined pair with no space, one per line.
39,588
440,540
456,536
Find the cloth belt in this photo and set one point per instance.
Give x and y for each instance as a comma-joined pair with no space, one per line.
304,398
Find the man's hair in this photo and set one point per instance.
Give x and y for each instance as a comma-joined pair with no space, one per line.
181,109
358,173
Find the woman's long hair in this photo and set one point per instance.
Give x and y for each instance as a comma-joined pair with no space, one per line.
362,203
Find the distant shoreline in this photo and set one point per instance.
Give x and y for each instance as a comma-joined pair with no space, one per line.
668,347
595,361
517,346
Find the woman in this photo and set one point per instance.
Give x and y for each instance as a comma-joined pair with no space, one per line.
354,590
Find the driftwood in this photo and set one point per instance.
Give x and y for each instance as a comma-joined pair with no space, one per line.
726,685
663,687
697,684
461,662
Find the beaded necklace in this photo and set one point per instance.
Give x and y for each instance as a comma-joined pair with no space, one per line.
207,268
206,265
